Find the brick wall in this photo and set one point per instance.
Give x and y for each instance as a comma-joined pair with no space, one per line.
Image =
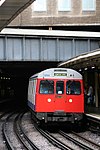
54,18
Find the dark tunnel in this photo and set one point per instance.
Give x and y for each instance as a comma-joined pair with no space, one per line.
14,78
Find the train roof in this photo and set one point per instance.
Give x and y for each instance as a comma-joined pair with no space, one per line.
61,73
53,33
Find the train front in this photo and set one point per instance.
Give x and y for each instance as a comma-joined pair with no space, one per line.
60,96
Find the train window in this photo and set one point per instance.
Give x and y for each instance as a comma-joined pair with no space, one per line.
46,87
59,87
73,87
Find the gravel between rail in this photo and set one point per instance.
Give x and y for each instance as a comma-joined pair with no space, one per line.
41,142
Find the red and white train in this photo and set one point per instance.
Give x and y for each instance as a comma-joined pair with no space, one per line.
56,95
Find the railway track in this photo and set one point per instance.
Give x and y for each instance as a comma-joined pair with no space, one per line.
8,133
28,144
3,115
13,121
14,127
87,140
79,140
53,140
93,124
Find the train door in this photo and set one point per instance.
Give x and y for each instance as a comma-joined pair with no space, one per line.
60,97
45,97
74,96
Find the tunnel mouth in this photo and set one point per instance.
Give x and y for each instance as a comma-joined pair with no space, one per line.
14,78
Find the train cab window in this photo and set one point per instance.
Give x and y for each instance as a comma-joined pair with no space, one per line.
46,87
73,87
60,87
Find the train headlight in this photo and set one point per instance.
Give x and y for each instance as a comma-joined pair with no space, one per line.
49,100
70,100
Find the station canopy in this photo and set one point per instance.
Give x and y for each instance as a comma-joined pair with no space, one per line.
9,9
86,60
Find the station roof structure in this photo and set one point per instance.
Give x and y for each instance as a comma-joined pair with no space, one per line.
9,9
86,60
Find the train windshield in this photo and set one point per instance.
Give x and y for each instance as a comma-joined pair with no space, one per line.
46,87
73,87
60,87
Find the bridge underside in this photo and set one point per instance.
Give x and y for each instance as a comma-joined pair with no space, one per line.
16,69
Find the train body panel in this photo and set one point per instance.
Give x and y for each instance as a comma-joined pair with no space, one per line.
56,94
32,93
59,102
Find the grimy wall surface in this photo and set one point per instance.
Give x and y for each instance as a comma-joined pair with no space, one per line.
53,17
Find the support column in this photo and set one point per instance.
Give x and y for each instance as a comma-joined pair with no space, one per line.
96,88
85,77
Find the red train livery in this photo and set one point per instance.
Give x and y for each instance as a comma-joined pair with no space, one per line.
56,95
